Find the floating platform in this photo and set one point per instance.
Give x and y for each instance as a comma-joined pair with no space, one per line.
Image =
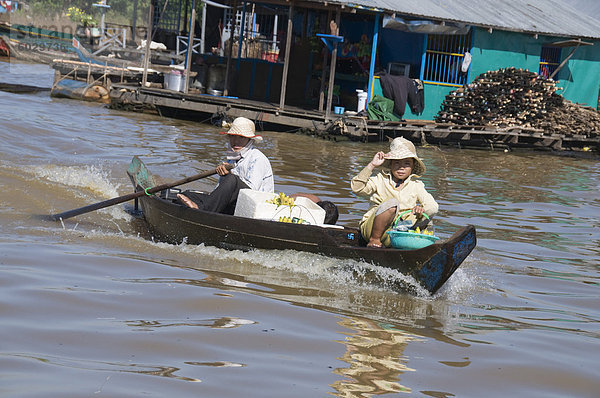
205,108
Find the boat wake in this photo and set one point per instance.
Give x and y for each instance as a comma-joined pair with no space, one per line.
90,177
302,269
77,186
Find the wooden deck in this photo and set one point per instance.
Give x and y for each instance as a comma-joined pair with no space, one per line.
426,132
210,108
204,107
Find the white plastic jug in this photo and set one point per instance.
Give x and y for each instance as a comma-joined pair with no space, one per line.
362,100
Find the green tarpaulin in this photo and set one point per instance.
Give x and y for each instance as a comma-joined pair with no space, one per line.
381,108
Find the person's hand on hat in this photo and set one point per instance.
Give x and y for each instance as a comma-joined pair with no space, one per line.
222,169
378,160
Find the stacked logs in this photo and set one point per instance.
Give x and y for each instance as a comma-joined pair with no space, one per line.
514,97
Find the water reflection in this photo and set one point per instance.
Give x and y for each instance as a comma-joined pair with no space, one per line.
109,367
219,323
374,354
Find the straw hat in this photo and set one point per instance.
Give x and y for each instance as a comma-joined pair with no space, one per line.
401,148
243,127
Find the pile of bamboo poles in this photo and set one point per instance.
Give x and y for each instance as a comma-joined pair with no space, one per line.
514,97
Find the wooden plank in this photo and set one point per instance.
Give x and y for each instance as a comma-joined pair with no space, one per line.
332,70
190,51
148,42
286,62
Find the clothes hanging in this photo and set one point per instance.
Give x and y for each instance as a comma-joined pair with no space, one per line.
402,89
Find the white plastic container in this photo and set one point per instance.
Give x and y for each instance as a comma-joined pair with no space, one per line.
362,100
174,80
253,204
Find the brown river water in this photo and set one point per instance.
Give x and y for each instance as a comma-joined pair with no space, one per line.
95,307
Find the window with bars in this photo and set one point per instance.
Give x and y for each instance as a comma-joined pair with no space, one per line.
262,31
444,57
549,61
229,19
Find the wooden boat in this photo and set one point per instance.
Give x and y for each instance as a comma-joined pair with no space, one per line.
21,88
36,44
430,266
75,89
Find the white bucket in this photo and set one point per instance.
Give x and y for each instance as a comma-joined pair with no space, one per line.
362,100
174,81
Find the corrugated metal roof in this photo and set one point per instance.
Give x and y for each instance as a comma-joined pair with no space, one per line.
587,7
552,17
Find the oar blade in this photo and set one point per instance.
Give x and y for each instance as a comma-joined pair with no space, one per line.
139,174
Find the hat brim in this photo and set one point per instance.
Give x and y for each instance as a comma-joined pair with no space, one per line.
254,137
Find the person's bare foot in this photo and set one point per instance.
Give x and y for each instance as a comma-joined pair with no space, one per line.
374,243
188,202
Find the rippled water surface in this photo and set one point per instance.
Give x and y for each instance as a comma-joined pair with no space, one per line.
96,307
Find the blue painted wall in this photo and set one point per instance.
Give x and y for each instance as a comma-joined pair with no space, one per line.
579,78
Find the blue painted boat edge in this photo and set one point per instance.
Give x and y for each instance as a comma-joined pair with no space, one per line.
435,272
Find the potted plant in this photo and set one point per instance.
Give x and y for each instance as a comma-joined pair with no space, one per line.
87,24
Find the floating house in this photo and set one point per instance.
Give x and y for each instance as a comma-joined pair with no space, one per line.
311,63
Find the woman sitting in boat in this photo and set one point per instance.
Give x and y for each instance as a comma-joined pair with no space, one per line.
252,170
392,191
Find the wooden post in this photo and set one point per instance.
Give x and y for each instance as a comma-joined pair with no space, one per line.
134,23
286,62
373,56
203,34
188,56
185,14
241,39
274,42
332,72
323,70
148,41
230,50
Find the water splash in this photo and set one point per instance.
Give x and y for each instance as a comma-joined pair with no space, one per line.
339,274
90,177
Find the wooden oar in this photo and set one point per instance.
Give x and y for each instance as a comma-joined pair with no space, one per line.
125,198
